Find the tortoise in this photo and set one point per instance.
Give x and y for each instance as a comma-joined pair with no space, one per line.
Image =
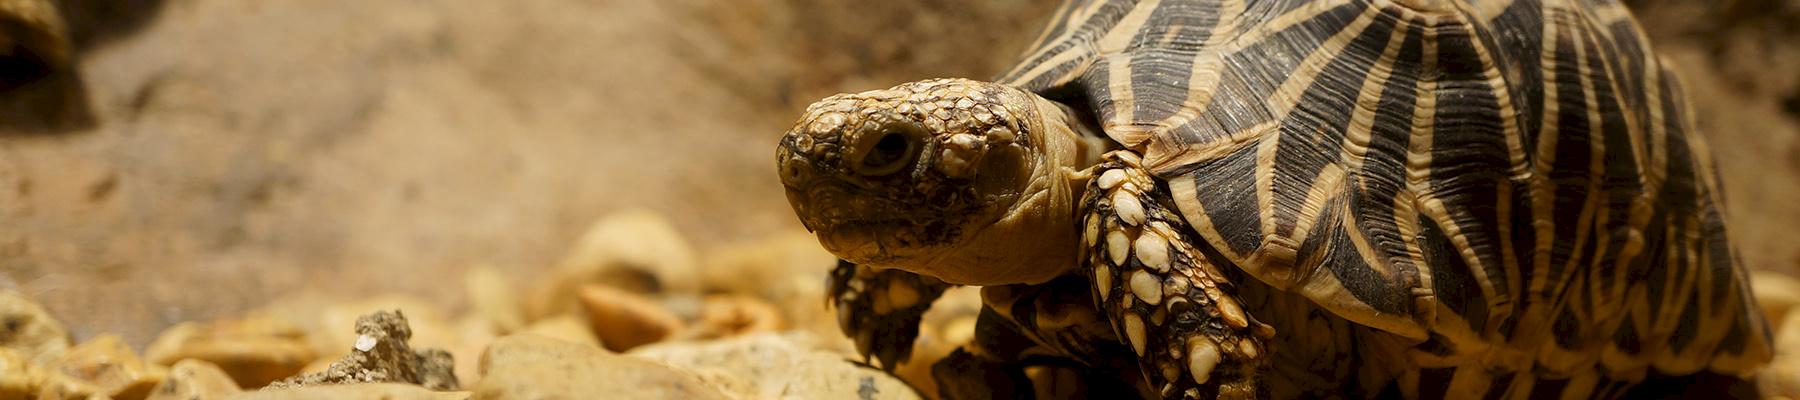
1280,198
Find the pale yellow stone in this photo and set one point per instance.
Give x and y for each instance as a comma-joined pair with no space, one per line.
570,327
770,365
624,320
195,380
491,294
528,366
635,250
252,351
29,329
355,391
111,366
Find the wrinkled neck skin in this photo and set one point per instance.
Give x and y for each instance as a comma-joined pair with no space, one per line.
1038,238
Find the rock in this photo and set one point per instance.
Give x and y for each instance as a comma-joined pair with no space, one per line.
733,315
253,351
56,385
769,365
428,324
195,380
1776,293
354,391
763,267
624,320
949,324
491,295
381,354
567,327
637,251
111,366
22,380
788,271
473,334
18,377
1781,378
322,317
528,366
26,328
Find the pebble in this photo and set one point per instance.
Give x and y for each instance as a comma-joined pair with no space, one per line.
771,365
1776,293
27,328
623,320
111,366
428,323
733,315
382,354
637,251
492,296
571,328
948,324
529,366
195,380
1781,378
20,379
18,376
354,391
762,268
785,270
253,351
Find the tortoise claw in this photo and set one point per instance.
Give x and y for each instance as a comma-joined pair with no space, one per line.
880,309
1176,310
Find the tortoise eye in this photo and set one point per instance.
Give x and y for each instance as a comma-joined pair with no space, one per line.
889,154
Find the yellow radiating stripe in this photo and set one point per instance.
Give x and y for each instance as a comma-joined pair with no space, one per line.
1533,326
1501,302
1265,182
1128,27
1184,188
1592,214
1071,26
1118,76
1203,81
1057,18
1283,100
1287,96
1207,63
1368,101
1328,183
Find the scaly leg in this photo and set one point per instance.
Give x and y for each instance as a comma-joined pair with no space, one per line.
880,309
1175,309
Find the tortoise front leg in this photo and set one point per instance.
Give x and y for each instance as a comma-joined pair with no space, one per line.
1176,310
880,309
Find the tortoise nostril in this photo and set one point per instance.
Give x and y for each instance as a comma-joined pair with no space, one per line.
889,154
793,171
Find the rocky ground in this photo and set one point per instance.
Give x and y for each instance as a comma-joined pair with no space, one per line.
609,322
213,160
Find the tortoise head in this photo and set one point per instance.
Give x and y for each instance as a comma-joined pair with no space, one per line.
969,182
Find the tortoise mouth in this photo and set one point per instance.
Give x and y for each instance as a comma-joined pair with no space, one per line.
879,229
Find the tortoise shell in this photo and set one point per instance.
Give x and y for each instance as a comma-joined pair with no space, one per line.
1516,184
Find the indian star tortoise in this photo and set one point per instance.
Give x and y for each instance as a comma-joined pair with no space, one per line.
1280,198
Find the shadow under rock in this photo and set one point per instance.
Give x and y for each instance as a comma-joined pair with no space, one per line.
55,103
38,96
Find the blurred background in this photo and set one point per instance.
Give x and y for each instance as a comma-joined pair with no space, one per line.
198,158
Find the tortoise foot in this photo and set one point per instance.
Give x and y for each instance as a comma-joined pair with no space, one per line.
880,309
1175,309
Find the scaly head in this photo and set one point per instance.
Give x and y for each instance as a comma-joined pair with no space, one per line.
970,182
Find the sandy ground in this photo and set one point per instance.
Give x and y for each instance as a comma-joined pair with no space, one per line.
205,156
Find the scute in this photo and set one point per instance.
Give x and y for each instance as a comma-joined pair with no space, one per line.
1472,174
